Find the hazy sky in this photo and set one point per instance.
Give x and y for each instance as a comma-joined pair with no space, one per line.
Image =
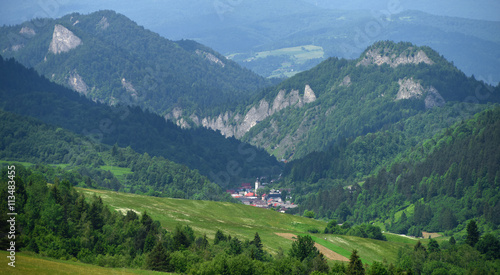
14,12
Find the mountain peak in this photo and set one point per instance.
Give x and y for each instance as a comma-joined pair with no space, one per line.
394,54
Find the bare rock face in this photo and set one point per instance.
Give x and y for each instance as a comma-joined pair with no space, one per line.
194,118
408,88
76,82
16,47
379,57
210,57
177,112
239,124
309,95
103,23
129,88
27,31
434,99
346,81
63,40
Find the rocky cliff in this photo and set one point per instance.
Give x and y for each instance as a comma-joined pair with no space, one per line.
238,124
63,40
386,56
76,82
409,88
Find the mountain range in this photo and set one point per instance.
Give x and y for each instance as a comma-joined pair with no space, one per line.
397,139
465,33
341,98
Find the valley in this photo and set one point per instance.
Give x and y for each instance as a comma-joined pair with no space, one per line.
307,146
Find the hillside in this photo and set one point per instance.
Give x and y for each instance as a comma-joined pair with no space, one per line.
438,185
224,161
89,164
123,230
243,221
32,264
194,237
388,83
109,58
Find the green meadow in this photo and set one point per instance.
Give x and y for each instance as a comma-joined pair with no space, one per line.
118,172
300,53
35,264
206,217
296,56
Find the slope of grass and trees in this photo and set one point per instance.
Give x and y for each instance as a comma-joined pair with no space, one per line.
62,222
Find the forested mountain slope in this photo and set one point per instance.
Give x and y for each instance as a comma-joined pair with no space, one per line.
224,160
90,164
109,58
340,98
438,185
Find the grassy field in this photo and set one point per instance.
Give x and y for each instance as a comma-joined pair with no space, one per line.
8,162
205,217
296,56
300,53
119,172
34,264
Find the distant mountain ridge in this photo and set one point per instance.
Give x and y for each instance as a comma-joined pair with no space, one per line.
472,44
111,59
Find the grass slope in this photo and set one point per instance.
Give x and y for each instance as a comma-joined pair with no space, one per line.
205,217
118,172
34,264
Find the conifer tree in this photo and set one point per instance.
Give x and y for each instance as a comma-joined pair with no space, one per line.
259,253
219,237
159,259
433,246
320,264
303,248
472,233
452,241
256,241
355,266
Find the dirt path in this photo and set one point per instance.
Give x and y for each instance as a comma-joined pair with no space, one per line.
327,252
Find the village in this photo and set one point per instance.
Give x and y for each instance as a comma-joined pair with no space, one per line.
259,195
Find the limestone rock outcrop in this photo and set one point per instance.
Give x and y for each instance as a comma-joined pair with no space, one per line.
63,40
